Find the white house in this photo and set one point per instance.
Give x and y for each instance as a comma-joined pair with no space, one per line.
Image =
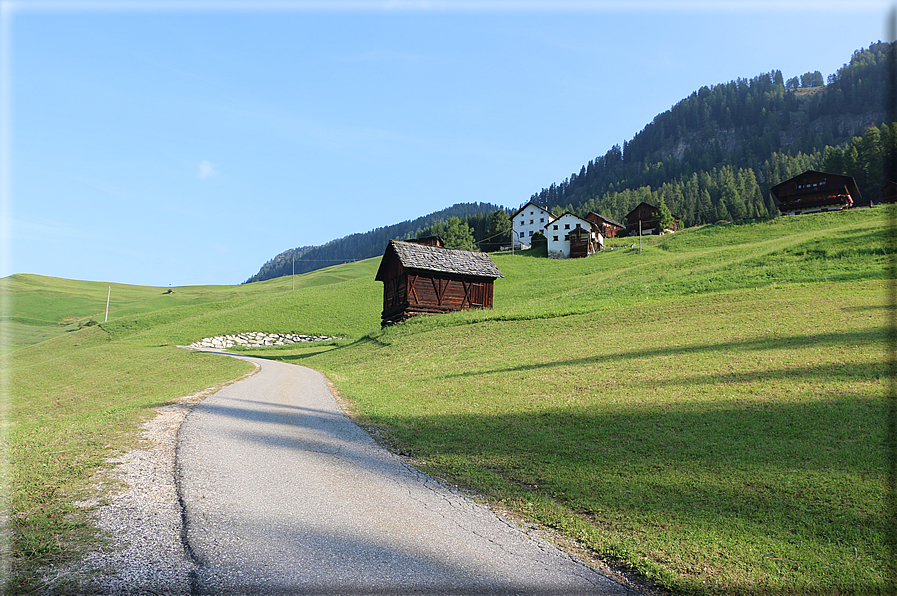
572,236
527,221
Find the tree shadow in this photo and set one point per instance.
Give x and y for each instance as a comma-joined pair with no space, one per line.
830,339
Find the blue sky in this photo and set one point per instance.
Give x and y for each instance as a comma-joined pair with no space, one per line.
187,143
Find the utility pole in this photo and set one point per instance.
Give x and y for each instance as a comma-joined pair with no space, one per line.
294,274
639,236
108,296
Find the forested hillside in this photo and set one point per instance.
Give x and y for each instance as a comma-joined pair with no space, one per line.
712,156
715,154
364,245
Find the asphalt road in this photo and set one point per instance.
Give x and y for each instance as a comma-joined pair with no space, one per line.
283,494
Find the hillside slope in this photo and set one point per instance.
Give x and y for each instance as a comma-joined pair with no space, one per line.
707,412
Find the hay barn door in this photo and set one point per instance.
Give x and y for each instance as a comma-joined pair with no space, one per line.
476,295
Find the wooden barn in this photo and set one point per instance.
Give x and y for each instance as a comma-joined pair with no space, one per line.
647,215
607,226
422,279
813,192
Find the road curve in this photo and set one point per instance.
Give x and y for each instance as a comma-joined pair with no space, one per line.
283,494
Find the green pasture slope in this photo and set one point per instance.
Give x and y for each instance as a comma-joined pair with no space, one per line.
709,412
76,392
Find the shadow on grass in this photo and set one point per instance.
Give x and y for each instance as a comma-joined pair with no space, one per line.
804,481
793,342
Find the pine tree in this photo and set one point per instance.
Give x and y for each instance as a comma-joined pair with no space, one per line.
664,217
457,235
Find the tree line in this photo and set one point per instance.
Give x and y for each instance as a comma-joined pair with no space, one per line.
362,245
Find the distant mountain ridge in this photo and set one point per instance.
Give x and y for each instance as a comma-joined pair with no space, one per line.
712,156
740,137
362,245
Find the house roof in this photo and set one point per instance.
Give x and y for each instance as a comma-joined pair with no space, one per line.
652,207
606,219
573,215
440,260
516,213
849,181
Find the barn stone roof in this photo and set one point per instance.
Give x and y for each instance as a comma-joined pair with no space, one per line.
441,260
606,219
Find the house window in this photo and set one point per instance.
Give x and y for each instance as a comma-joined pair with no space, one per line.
541,220
566,226
555,227
555,238
531,221
521,234
530,232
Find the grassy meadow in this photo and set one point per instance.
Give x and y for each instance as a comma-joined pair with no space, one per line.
709,411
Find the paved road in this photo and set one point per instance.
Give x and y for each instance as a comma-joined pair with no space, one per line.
283,494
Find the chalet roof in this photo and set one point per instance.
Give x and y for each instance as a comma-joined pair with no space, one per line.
573,215
849,182
519,211
441,260
652,207
606,219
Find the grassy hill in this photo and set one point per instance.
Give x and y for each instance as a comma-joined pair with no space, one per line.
708,411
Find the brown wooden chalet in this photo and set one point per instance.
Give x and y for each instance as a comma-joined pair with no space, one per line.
647,215
608,227
813,192
421,279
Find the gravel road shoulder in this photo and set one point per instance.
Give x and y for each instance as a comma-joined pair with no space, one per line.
145,553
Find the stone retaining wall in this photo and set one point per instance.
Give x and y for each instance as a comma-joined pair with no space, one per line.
258,339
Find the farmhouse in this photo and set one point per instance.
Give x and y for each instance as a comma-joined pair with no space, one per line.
813,192
430,279
570,236
644,219
606,226
527,221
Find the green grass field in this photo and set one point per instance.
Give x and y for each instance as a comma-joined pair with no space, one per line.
709,412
